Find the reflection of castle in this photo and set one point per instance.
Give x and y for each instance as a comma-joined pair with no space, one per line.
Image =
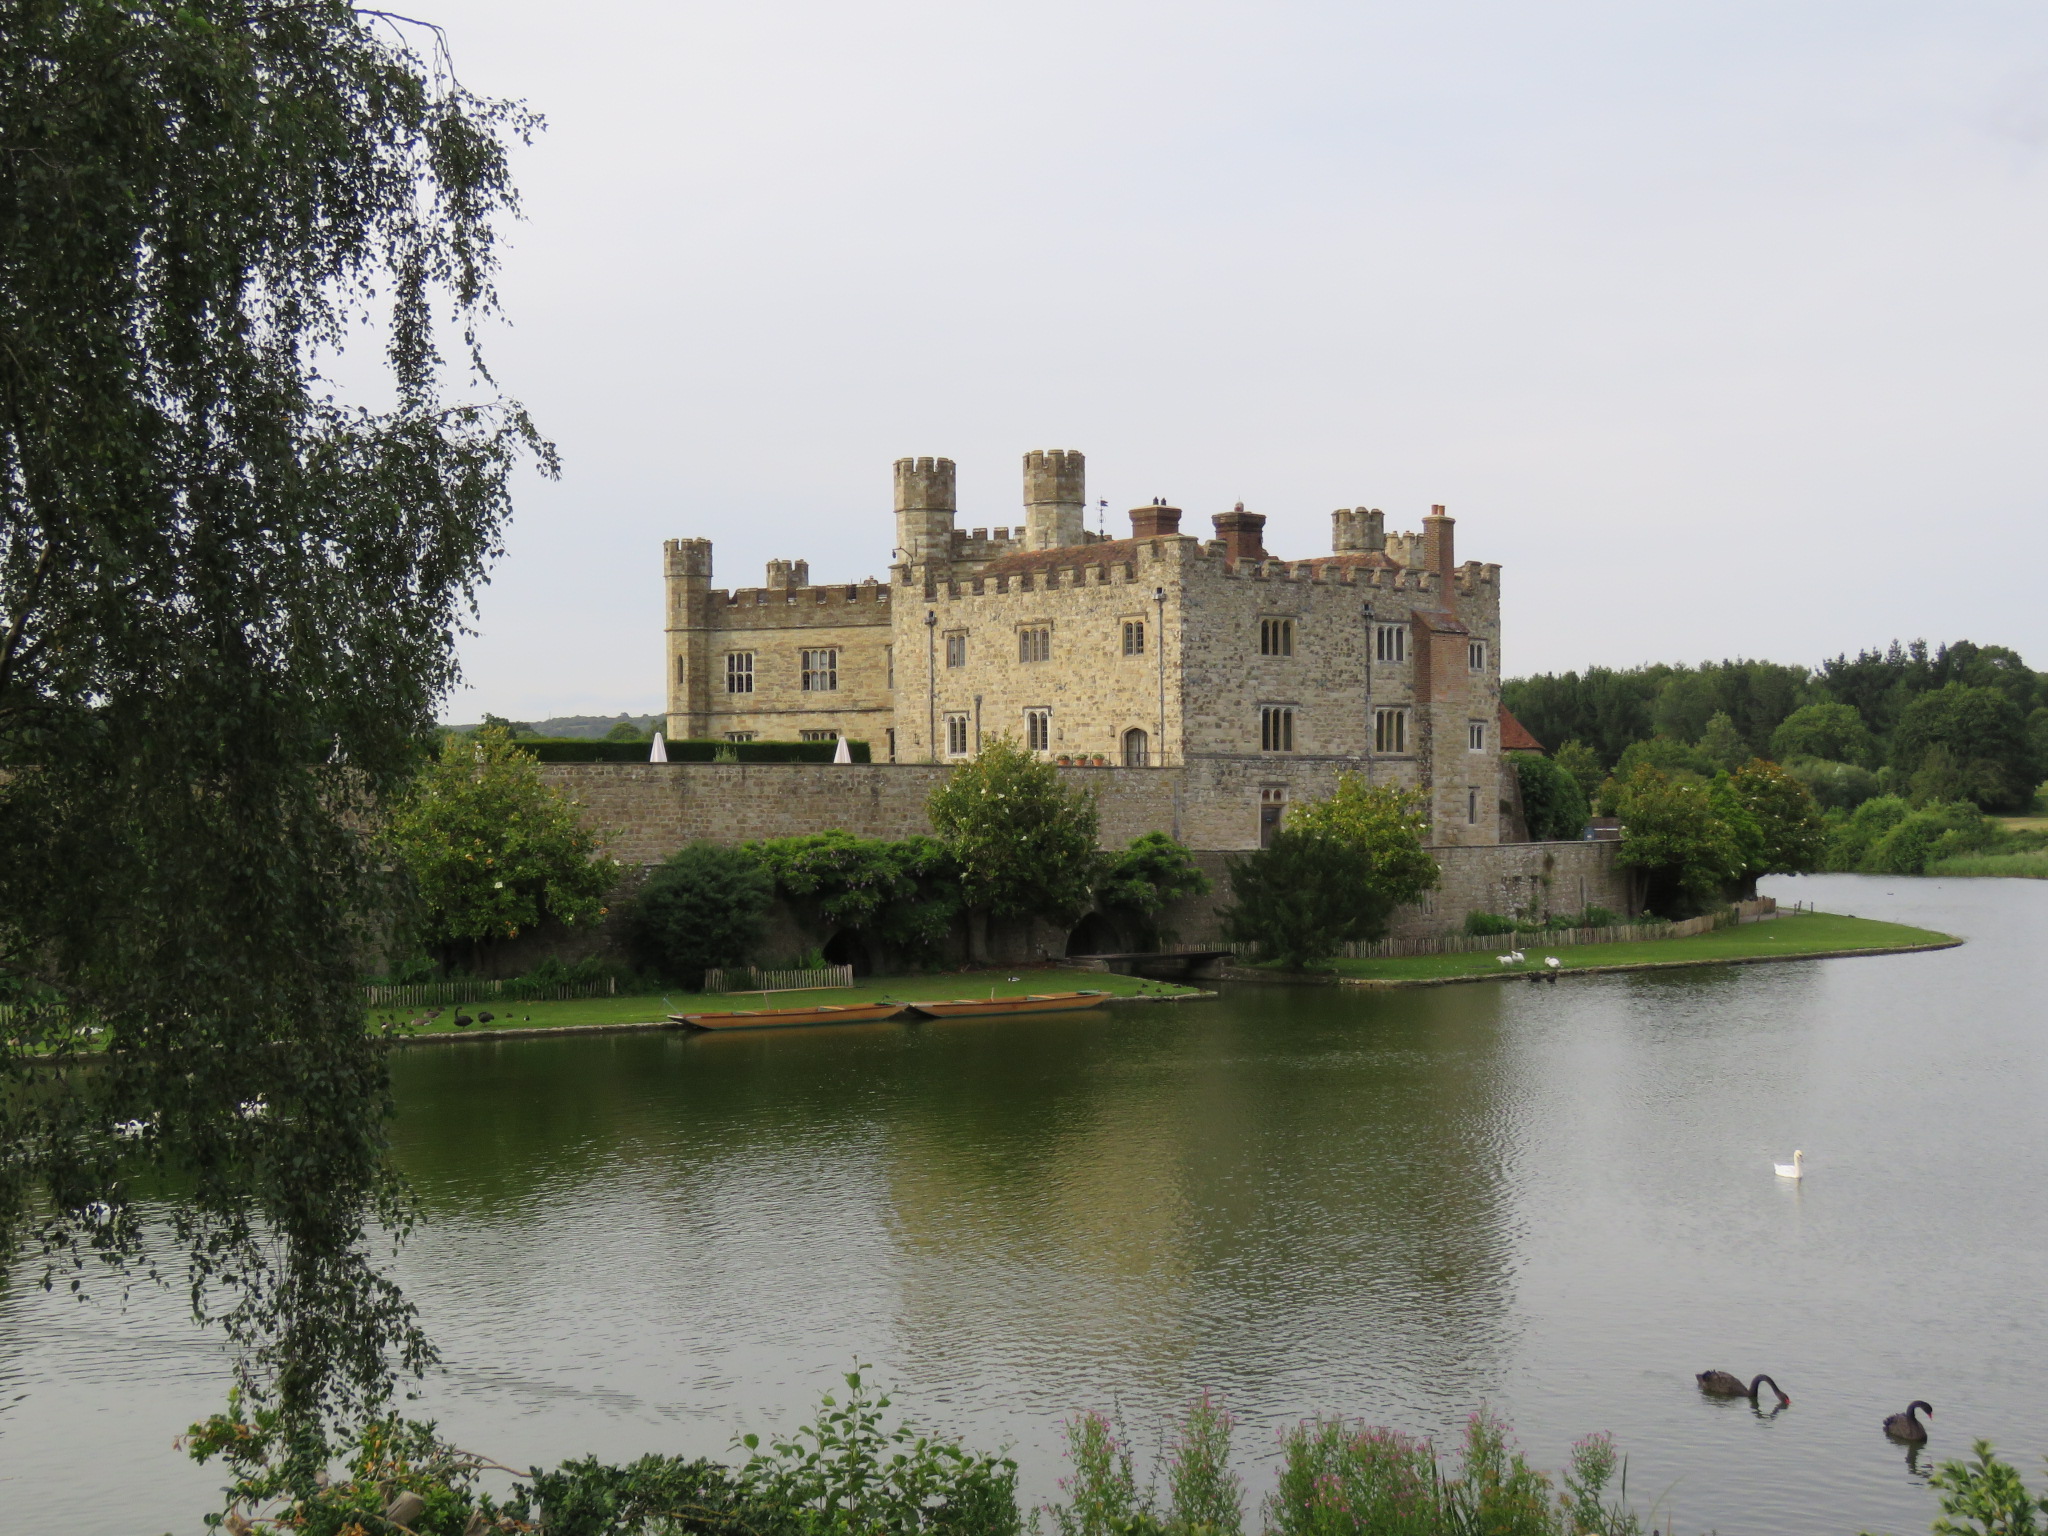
1261,677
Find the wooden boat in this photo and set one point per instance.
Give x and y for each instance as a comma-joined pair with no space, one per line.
777,1018
1032,1002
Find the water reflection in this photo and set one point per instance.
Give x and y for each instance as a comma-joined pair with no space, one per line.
1557,1199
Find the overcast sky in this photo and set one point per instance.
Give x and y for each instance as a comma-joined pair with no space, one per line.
1722,327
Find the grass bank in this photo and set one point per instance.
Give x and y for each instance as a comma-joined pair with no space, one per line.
1806,935
2030,865
654,1008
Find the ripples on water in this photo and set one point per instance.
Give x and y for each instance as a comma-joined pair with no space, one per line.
1556,1200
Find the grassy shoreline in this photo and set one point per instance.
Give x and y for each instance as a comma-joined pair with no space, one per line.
510,1019
1801,936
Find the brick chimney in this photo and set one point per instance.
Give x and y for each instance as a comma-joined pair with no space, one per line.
1440,556
1242,533
1156,521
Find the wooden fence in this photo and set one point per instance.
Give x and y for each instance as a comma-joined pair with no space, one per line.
443,994
745,978
1537,938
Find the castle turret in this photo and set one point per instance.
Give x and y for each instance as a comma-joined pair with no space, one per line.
925,507
1358,530
687,568
1055,496
788,575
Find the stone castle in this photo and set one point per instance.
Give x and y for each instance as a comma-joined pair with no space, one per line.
1258,678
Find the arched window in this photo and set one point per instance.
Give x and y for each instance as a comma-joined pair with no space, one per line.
1137,749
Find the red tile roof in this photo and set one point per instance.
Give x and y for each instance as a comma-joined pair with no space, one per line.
1514,736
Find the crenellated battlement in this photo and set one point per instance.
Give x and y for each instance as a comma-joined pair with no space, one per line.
865,591
687,557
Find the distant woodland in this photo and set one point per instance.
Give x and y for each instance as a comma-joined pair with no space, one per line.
1958,722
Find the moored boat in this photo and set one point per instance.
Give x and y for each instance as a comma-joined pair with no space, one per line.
1031,1002
777,1018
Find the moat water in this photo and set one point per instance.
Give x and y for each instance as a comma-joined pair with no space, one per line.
1554,1200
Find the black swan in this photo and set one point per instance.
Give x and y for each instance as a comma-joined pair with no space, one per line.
1907,1426
1721,1384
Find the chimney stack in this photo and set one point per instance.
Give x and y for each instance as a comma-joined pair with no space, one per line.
1156,521
1357,530
1242,533
1440,555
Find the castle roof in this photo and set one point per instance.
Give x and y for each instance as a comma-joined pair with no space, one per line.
1362,560
1514,736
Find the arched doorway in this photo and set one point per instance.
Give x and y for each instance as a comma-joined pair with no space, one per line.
846,948
1094,935
1137,748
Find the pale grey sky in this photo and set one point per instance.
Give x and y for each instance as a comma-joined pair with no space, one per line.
1723,327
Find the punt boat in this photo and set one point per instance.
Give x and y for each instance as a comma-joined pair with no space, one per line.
776,1018
1033,1002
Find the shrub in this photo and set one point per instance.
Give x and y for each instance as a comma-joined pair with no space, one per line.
1932,832
704,906
1203,1494
905,893
1137,884
1102,1490
1482,924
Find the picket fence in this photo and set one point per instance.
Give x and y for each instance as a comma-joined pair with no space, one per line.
745,978
443,994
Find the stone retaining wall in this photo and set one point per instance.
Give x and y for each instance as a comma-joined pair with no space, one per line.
646,811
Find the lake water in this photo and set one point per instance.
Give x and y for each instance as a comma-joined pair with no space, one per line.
1556,1200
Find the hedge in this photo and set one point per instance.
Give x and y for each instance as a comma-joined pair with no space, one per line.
571,750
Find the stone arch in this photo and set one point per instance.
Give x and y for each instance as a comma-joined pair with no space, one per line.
847,947
1094,935
1137,748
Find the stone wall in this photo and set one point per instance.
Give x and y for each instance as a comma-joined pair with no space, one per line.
645,811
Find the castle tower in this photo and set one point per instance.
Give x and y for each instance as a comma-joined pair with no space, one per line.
1055,497
687,567
1357,530
925,507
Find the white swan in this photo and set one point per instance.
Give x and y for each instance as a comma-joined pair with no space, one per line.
1553,962
1791,1170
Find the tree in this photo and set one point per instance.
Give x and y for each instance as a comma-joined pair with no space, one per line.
1301,897
1673,833
1667,757
493,851
1834,786
1985,737
1025,843
1385,824
1334,874
1580,761
227,602
1781,830
1553,804
703,906
1722,745
1834,732
1136,885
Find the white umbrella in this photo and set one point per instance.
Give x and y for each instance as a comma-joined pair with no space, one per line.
843,755
658,753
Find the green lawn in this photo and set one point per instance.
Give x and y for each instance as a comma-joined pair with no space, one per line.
651,1009
1806,933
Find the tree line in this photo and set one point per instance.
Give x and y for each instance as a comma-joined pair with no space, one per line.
1955,722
